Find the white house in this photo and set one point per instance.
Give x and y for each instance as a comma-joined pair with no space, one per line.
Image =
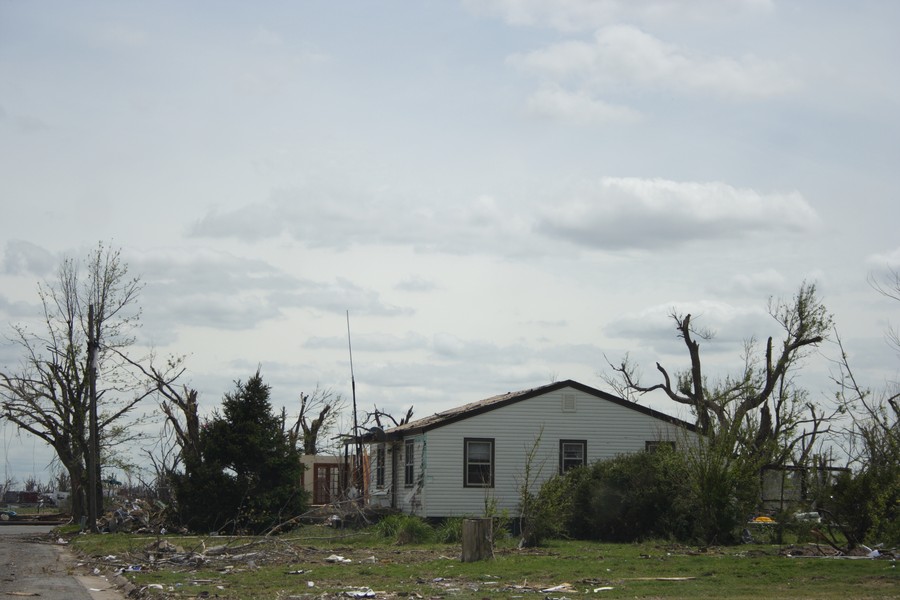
453,462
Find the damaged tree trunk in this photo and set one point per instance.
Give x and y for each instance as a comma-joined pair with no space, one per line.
477,540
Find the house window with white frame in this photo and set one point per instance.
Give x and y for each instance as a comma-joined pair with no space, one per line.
409,466
478,461
379,466
572,453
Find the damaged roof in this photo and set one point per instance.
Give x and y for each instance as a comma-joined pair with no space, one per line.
494,402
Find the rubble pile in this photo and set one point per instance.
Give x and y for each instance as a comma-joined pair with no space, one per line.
134,516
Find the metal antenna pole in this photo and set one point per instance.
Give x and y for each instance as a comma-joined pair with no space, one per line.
357,465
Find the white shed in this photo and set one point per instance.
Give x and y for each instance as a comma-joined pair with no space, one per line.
455,462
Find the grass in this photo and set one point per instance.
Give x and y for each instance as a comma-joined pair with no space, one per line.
283,567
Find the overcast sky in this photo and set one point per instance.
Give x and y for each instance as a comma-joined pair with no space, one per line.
501,193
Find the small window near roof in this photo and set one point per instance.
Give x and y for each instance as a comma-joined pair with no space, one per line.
568,403
572,453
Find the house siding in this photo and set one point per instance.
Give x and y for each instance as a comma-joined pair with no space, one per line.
609,428
411,498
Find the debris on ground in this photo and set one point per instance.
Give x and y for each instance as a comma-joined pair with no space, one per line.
335,558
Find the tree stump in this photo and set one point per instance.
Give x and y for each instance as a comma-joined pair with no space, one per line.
477,540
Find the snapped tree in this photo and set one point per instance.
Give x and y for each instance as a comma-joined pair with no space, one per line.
760,410
48,394
307,431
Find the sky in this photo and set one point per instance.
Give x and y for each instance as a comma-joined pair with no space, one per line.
495,194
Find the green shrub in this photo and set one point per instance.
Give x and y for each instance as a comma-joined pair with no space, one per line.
631,497
703,493
723,489
405,529
867,505
449,531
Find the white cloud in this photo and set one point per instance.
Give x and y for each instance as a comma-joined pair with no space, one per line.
886,260
416,284
658,213
625,57
760,283
580,15
340,217
653,328
220,290
264,36
21,257
579,107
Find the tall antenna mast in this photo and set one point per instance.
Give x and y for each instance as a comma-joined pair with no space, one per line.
356,468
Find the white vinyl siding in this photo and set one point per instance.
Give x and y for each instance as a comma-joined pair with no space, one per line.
608,428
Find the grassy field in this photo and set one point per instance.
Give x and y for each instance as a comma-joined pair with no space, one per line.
296,565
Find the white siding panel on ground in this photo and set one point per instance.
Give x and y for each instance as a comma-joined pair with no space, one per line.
609,429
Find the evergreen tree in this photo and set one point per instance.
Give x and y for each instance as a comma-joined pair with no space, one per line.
249,475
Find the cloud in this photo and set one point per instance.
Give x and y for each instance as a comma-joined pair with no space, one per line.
579,107
623,57
30,124
632,213
759,284
581,15
223,291
264,36
23,123
18,309
338,297
416,284
332,216
381,342
24,258
653,328
885,260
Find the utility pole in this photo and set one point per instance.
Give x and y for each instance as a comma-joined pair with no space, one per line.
93,457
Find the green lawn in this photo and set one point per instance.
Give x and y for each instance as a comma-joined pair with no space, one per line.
295,565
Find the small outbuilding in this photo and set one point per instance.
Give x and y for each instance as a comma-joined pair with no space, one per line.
457,462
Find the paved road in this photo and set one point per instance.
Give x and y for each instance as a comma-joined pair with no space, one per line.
30,566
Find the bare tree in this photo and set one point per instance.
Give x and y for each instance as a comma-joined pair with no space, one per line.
760,407
48,394
307,429
179,405
872,439
889,287
377,415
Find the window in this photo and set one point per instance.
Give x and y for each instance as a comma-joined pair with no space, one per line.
379,466
568,403
654,446
409,469
478,457
572,453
